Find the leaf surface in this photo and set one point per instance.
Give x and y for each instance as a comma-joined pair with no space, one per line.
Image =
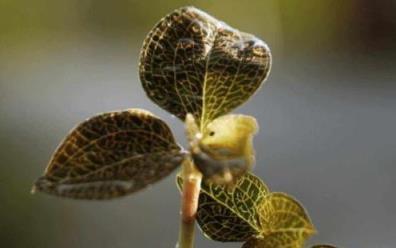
284,223
280,212
250,212
193,63
230,214
111,155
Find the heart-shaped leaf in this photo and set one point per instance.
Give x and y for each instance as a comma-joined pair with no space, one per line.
280,212
194,63
230,214
284,223
111,155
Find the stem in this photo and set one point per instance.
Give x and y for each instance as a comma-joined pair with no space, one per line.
189,203
186,235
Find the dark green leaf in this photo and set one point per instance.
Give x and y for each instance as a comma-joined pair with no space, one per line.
230,214
249,212
111,155
194,63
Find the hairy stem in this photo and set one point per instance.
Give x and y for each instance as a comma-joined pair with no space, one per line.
189,203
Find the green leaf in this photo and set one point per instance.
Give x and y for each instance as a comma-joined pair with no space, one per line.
284,223
193,63
249,212
230,214
280,212
111,155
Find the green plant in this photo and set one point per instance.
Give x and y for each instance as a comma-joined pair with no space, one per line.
198,69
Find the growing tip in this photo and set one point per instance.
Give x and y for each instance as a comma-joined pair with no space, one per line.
33,190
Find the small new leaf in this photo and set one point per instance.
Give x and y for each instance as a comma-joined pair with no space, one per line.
230,138
111,155
230,214
193,63
223,151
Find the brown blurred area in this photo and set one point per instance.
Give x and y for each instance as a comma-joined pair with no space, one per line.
327,115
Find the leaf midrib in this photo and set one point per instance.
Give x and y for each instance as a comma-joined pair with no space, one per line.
202,122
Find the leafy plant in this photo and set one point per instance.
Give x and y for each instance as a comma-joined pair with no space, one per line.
198,69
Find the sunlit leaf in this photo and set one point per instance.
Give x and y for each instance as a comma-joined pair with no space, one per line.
111,155
230,214
280,212
284,223
250,212
194,63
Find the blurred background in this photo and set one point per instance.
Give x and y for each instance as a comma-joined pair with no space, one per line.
327,115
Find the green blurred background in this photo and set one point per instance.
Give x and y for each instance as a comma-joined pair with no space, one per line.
327,115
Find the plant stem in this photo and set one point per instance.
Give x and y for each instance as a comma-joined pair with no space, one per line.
189,203
186,235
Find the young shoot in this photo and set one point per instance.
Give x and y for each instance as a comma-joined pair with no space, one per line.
199,69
